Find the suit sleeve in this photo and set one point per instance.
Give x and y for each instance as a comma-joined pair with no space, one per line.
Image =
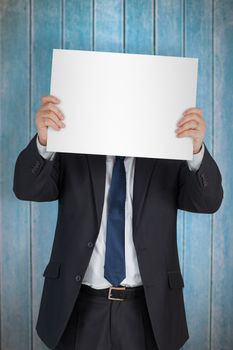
36,178
200,191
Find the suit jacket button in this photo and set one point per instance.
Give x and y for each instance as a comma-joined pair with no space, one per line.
78,278
90,244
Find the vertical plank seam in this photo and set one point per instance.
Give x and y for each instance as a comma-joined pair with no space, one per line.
1,185
155,25
184,216
183,54
124,24
212,216
30,203
62,24
93,25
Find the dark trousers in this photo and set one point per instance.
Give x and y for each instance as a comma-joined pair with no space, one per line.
97,323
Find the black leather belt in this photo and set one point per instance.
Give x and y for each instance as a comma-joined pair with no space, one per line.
115,293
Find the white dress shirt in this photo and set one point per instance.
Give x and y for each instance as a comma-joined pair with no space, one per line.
94,275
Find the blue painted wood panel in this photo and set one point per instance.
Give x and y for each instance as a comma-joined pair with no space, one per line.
222,271
78,24
139,26
15,286
29,30
108,25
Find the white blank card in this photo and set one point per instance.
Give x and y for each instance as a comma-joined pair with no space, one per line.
122,104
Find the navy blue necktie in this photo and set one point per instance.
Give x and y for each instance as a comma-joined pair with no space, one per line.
114,268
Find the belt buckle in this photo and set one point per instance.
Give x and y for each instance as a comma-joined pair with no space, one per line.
110,291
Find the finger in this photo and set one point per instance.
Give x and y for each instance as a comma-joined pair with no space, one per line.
190,117
53,117
192,133
194,110
188,125
50,122
55,109
50,98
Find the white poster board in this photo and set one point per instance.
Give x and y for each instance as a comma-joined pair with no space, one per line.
122,104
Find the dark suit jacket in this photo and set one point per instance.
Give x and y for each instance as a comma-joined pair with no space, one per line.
161,187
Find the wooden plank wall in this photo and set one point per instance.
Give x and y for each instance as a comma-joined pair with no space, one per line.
29,30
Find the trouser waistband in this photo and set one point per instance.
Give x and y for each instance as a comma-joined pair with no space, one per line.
115,293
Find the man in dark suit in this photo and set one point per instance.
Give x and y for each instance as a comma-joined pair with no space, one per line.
113,280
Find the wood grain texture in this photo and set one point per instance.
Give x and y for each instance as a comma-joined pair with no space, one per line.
222,291
139,26
15,215
108,25
78,24
193,28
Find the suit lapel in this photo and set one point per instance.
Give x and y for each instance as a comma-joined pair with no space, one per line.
142,175
97,167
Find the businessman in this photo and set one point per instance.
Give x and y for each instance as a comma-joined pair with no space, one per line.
113,279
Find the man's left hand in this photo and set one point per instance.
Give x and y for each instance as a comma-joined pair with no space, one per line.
192,124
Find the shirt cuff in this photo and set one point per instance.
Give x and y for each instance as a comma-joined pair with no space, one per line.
195,163
42,150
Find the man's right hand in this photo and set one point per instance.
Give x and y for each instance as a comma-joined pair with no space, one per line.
48,115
